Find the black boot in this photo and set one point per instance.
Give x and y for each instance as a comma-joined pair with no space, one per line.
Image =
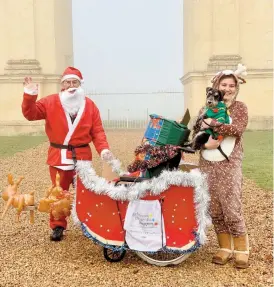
57,233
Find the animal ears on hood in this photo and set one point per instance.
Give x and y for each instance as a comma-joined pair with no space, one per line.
241,70
238,73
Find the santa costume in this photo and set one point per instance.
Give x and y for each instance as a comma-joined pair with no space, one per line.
72,122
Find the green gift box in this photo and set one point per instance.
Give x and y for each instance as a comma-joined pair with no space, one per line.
161,131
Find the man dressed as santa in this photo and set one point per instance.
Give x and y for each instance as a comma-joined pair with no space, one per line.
72,121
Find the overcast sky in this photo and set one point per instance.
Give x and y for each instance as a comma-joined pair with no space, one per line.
129,45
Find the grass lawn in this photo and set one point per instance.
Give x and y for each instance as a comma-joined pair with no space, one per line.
257,165
258,160
11,145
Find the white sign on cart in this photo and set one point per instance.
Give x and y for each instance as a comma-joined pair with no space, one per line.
144,225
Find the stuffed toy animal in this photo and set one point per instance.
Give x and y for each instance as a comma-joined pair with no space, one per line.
56,201
18,200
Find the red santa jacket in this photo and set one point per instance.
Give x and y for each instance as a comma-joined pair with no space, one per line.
87,127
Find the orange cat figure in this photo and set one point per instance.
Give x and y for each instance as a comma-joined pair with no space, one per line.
16,199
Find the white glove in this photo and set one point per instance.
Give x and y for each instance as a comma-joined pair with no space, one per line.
107,155
30,88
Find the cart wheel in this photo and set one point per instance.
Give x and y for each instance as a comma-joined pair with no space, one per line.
114,256
163,258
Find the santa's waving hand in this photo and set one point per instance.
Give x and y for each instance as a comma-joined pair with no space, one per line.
72,122
30,86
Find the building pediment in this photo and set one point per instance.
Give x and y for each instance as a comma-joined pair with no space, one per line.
223,62
23,67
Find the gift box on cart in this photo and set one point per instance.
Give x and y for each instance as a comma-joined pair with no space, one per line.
161,132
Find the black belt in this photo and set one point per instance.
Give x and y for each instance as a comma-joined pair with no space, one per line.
69,148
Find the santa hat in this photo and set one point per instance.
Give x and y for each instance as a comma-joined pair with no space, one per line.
240,71
71,72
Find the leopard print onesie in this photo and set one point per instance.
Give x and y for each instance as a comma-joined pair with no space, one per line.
225,177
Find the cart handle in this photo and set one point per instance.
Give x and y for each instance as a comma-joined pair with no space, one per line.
187,149
132,179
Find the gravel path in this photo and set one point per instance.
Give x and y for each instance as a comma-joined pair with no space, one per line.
29,259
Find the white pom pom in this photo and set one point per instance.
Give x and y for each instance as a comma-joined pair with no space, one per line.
241,70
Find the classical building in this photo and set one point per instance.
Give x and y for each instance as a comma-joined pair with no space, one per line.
36,41
219,34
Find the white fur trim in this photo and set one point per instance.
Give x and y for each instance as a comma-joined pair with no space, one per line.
226,250
31,92
72,76
72,127
156,186
74,215
65,167
241,252
227,146
227,72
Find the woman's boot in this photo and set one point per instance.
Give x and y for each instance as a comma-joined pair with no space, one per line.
241,251
226,249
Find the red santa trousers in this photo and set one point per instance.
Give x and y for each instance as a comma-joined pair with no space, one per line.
66,179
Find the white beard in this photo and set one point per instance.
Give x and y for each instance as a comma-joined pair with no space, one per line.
71,102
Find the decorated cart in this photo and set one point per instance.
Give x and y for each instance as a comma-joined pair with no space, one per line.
163,219
158,209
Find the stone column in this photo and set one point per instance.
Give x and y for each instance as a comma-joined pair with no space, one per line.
219,34
37,42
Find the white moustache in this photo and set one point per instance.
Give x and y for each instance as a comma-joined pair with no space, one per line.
72,89
70,93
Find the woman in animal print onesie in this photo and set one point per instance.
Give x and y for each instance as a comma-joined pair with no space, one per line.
225,177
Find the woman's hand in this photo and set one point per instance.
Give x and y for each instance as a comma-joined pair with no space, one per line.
206,123
212,143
